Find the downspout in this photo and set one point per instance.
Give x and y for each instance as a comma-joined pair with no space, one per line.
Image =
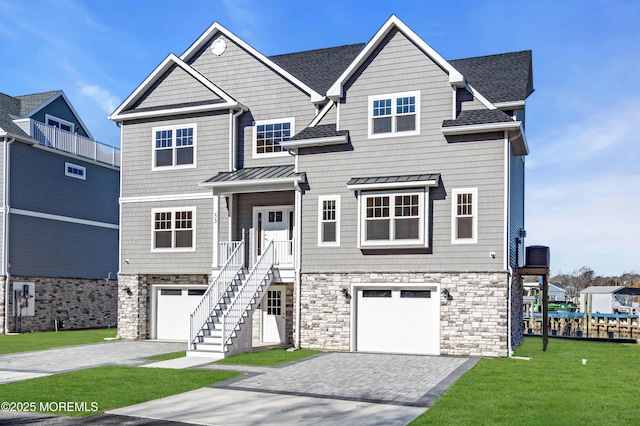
5,231
507,221
233,140
298,258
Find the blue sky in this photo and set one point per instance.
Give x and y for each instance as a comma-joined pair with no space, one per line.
583,121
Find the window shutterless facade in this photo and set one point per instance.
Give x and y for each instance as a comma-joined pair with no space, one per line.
174,146
464,216
394,114
396,218
75,171
329,221
173,229
268,134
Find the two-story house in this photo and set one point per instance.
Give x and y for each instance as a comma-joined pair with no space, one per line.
365,197
59,228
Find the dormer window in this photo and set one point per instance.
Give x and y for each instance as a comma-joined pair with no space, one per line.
395,114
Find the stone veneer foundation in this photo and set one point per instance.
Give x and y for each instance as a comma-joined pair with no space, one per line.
80,303
134,293
473,321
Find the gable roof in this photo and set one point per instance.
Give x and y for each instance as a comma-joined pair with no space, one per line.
216,28
335,92
319,68
126,112
505,77
478,116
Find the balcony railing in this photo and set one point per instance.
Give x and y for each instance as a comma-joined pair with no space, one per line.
283,250
71,143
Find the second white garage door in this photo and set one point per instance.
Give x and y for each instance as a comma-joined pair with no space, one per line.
174,309
398,320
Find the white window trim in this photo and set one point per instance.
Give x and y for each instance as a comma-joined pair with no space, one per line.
194,126
423,203
321,200
173,210
75,166
284,153
393,97
60,120
454,222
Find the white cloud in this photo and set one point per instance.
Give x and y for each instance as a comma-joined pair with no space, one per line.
590,222
102,97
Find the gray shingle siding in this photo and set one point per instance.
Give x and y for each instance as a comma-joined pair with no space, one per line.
391,69
516,213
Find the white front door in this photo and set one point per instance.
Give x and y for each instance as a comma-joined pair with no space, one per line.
275,224
273,315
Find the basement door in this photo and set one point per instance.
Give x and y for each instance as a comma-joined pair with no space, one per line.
398,320
273,315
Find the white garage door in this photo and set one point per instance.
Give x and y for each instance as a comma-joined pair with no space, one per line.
398,320
174,308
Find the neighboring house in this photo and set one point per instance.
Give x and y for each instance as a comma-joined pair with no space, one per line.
59,227
608,299
369,196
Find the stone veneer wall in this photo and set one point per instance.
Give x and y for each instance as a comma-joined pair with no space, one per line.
80,303
134,309
473,323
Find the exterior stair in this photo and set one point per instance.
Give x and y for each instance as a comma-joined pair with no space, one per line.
226,330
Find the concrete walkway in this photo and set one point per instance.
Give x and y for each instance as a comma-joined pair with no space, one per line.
326,389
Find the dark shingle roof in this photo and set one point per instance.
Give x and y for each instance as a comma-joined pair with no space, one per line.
30,102
320,131
257,173
478,116
9,105
500,78
393,179
320,68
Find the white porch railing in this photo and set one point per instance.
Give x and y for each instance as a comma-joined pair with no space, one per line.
283,253
228,272
241,303
72,143
225,249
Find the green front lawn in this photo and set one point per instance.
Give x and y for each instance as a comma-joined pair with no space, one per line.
10,343
165,357
268,358
95,390
554,388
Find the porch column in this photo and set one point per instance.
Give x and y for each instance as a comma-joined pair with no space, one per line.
216,231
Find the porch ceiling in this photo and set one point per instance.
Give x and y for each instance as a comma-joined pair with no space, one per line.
255,179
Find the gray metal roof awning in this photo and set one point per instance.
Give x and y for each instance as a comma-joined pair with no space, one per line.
391,182
255,179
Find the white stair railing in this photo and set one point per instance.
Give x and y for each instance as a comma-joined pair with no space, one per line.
241,303
214,293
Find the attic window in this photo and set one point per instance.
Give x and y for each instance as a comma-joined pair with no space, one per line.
75,171
395,114
59,123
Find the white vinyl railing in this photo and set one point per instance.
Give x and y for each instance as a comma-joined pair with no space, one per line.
225,249
283,253
211,298
72,143
240,304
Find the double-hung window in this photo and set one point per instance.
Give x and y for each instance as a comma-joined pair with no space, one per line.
464,216
173,229
268,134
174,146
395,114
329,221
393,218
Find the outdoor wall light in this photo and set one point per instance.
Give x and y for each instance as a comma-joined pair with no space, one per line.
128,290
446,294
345,293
